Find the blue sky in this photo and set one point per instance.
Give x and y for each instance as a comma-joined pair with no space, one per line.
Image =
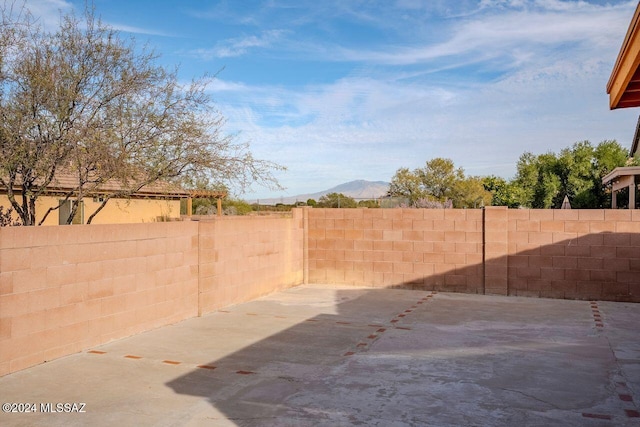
337,90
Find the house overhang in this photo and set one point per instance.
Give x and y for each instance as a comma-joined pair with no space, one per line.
619,179
619,176
636,140
624,84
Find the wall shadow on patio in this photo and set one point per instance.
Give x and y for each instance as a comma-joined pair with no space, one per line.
321,367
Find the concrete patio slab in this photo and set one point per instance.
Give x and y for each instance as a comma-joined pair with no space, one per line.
331,355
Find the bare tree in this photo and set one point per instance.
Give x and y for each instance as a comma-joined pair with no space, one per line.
84,101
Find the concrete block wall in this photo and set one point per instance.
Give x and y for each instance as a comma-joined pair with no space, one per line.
243,258
496,244
574,254
68,288
438,249
65,289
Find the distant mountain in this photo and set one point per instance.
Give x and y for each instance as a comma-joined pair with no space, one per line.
359,190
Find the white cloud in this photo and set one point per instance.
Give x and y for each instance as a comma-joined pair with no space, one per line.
548,93
492,80
553,23
219,85
138,30
239,46
47,12
355,133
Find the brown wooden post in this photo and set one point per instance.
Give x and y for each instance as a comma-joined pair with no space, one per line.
219,206
189,205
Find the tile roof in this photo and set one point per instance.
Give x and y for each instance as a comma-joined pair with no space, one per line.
65,181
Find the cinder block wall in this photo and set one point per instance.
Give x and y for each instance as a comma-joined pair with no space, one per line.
573,254
64,289
68,288
439,249
243,258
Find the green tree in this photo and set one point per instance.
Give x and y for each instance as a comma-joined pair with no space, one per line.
440,178
537,180
548,184
336,200
236,207
470,193
503,193
609,155
408,184
83,101
368,204
526,179
576,172
578,176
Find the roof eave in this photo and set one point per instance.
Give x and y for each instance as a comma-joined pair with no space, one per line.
625,68
636,138
619,172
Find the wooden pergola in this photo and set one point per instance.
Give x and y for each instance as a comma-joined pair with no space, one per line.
205,194
619,179
624,92
625,177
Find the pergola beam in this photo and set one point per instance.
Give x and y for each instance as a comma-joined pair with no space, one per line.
205,194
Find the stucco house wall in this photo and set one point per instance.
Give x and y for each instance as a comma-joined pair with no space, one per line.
116,211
